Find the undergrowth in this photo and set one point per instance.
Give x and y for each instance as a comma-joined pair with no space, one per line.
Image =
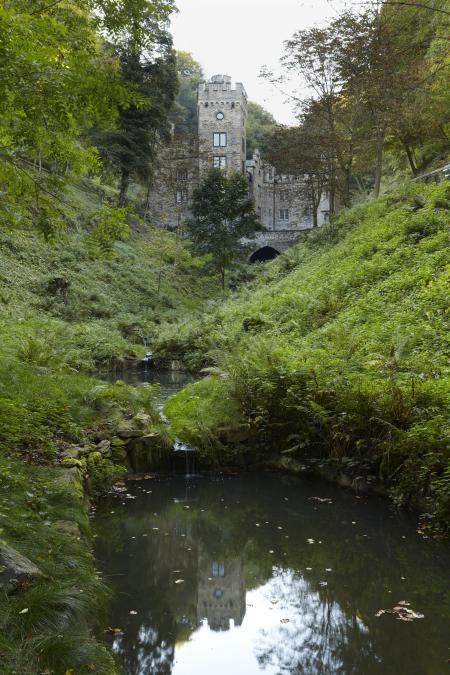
339,351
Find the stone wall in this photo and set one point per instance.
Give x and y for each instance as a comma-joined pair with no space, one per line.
175,181
222,108
280,201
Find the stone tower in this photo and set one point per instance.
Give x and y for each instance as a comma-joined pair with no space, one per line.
222,122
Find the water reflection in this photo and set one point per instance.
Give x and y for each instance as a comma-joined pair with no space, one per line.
220,592
251,575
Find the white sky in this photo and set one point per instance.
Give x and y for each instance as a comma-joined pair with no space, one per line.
237,37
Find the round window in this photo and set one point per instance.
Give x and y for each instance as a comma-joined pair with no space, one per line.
220,115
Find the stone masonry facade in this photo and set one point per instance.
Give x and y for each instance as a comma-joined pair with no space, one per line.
281,202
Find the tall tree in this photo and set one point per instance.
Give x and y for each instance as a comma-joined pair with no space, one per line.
57,79
299,151
132,147
223,215
185,113
260,126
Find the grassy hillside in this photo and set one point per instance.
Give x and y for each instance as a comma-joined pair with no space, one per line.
338,353
94,312
66,313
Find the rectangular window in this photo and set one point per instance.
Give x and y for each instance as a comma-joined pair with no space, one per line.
218,569
220,139
182,175
284,214
283,196
182,196
219,162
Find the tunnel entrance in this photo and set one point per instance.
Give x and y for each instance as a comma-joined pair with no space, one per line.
264,254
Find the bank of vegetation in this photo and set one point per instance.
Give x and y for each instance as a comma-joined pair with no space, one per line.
337,353
70,319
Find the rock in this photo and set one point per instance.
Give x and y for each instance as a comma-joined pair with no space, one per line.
104,446
67,527
15,569
73,452
126,432
142,420
71,462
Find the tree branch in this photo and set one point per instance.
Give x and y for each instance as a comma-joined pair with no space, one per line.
46,7
419,5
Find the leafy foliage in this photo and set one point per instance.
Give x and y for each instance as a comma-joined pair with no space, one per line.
260,126
337,351
223,214
189,73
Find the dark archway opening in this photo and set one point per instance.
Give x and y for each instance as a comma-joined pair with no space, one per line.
264,254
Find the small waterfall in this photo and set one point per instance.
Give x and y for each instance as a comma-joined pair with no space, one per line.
184,459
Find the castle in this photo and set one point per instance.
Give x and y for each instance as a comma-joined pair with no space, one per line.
281,202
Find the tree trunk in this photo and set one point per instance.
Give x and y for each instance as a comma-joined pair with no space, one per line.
123,187
410,157
222,274
315,217
346,187
379,163
332,190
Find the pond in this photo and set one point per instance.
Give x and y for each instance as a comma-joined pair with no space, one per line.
269,574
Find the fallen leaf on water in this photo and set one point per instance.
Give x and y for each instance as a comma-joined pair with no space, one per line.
310,541
179,581
328,569
271,551
401,612
132,611
24,611
322,500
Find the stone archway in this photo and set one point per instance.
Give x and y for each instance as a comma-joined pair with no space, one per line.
264,254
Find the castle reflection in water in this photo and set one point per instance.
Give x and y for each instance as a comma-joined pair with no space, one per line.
220,592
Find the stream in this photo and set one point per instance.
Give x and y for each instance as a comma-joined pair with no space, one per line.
269,574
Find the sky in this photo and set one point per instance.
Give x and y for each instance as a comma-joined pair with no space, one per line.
237,37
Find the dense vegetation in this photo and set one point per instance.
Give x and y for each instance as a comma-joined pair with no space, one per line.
372,96
338,352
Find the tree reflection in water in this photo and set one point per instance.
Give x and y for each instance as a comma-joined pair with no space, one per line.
316,637
269,581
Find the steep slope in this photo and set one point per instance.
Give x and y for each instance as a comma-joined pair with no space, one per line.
66,313
339,353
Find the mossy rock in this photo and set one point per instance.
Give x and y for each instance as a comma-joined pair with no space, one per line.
15,569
